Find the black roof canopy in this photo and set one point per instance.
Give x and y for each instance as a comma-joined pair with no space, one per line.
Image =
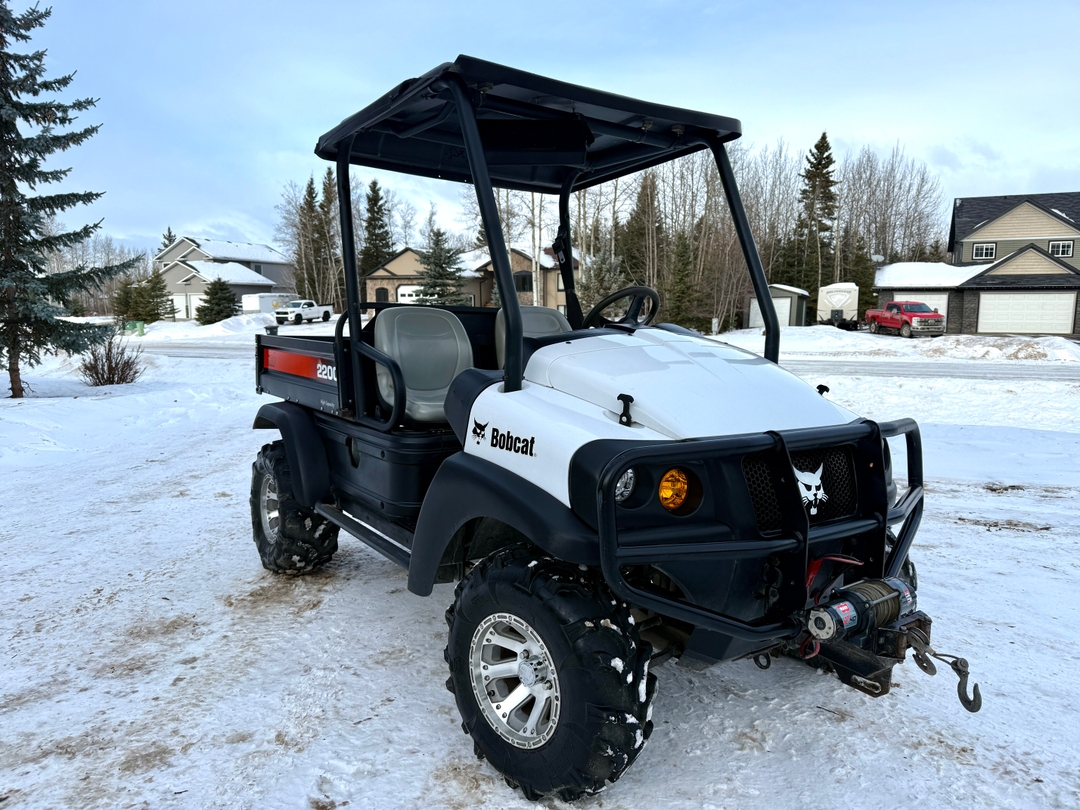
537,132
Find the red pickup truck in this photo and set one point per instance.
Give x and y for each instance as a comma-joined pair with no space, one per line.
909,318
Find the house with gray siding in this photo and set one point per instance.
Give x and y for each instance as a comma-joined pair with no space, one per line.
1014,268
189,265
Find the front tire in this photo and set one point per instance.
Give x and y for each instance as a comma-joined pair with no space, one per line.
290,539
905,330
549,673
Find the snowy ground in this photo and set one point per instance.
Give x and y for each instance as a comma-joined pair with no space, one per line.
149,661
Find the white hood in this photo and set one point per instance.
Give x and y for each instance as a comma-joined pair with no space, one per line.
683,387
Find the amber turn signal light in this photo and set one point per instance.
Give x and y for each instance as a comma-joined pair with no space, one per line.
674,487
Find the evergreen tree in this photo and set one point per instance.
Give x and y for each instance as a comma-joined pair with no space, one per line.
442,272
167,238
640,241
153,300
220,303
328,241
817,198
306,251
31,300
681,297
378,241
856,266
602,276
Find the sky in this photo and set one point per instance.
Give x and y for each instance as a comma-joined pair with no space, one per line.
209,107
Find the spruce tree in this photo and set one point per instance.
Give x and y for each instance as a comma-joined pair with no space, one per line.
817,198
167,238
680,295
378,242
442,271
220,303
31,300
153,301
600,277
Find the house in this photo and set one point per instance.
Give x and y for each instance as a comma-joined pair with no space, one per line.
399,278
1013,268
188,265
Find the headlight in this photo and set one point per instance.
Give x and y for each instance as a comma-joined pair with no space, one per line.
674,487
624,486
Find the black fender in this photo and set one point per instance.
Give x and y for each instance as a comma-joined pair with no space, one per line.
303,449
467,487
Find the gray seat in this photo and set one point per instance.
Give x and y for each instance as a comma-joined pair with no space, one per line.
432,348
535,322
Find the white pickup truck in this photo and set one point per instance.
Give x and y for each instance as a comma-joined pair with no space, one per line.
302,310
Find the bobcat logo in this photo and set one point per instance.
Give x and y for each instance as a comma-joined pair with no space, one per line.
479,431
810,488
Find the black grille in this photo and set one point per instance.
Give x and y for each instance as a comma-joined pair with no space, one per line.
837,485
762,493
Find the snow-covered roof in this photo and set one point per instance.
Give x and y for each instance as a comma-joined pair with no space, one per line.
229,272
841,285
235,251
472,261
786,288
925,274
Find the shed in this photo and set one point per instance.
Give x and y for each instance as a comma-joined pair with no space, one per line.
789,302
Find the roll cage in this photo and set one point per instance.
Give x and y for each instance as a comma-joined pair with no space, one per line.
478,122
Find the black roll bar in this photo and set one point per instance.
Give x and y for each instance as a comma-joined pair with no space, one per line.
489,213
564,252
749,249
352,281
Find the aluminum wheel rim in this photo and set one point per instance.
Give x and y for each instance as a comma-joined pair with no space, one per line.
268,500
514,680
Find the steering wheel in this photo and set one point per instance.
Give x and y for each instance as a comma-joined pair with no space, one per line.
638,295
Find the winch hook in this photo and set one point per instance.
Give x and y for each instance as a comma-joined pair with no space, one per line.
922,652
974,703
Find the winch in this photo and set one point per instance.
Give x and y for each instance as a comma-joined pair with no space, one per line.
863,606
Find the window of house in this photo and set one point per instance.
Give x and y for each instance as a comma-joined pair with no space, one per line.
1063,250
523,282
562,308
382,295
257,268
559,283
986,251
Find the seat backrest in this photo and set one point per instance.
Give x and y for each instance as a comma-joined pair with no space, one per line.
535,322
432,348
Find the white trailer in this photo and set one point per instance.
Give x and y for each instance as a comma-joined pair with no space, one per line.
264,302
838,304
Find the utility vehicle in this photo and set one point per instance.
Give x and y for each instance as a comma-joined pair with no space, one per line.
606,492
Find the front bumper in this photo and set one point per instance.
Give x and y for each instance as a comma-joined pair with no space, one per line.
732,543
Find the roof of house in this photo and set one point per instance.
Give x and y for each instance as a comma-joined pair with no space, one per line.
924,275
223,250
229,272
970,213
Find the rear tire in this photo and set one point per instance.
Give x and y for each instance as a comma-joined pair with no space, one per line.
326,316
579,662
290,539
874,328
905,330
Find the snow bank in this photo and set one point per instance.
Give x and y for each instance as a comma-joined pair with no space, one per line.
824,341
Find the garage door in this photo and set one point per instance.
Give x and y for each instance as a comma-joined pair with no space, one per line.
1046,313
938,301
783,312
194,302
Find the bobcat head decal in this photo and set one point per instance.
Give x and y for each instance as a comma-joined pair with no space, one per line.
479,431
810,488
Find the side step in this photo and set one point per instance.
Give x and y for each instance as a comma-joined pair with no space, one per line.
389,540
